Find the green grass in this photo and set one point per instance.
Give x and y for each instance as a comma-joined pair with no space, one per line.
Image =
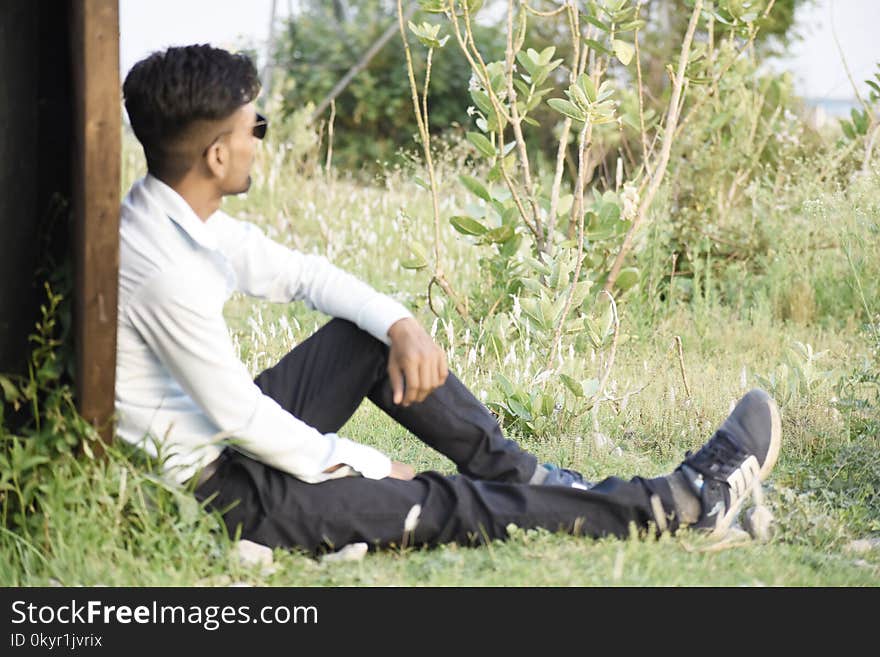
107,522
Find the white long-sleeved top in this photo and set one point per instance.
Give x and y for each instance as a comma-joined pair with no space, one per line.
179,383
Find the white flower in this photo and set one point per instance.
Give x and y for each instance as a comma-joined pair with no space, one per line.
541,377
630,198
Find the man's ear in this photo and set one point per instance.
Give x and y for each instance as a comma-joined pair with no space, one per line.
216,158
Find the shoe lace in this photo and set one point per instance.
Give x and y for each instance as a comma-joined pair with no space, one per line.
717,457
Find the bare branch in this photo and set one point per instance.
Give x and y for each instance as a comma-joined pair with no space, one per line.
516,124
424,133
577,210
330,124
668,133
684,378
478,66
644,134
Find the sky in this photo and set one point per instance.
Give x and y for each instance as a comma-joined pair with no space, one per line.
816,61
148,25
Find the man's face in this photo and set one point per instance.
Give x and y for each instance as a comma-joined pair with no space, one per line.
241,147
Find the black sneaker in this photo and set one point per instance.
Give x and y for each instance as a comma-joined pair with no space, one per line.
735,461
557,476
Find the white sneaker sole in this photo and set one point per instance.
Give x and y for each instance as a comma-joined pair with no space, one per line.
775,440
724,521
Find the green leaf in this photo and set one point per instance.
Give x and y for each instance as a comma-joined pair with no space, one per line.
577,96
847,128
418,259
546,55
497,82
632,120
623,51
433,6
529,64
531,285
606,90
33,461
548,403
565,203
522,88
483,145
427,34
541,76
567,108
510,215
518,409
537,265
595,21
475,187
590,387
10,391
627,278
533,310
593,332
510,247
598,47
467,225
585,83
505,385
413,263
421,183
483,102
498,235
581,289
608,214
860,121
576,388
632,25
473,6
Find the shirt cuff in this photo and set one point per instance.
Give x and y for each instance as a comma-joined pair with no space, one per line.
380,315
368,461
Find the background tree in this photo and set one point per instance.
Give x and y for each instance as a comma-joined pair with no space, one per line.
321,42
373,114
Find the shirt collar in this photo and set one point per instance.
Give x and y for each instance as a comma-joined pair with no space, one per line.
180,212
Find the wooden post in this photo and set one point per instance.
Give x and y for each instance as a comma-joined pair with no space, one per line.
96,197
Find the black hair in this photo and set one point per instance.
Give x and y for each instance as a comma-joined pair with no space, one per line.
168,91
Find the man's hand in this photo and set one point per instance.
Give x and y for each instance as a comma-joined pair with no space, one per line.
415,359
401,471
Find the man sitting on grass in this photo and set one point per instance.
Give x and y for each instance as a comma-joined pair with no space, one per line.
266,452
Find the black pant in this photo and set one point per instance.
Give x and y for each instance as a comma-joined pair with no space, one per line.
322,382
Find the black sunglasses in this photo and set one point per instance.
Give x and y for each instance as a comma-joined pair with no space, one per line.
258,130
260,127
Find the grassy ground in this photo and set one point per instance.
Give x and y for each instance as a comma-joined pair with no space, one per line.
111,523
